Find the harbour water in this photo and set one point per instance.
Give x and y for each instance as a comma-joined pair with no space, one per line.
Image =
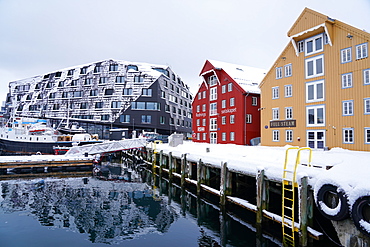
88,211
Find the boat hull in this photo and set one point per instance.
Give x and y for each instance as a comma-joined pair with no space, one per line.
9,147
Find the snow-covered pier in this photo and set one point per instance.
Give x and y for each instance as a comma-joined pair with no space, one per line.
333,184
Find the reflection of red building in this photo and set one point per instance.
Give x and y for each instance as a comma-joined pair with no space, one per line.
226,107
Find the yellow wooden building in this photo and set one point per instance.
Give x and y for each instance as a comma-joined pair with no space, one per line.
317,93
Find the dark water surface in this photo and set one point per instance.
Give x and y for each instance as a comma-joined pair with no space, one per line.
86,211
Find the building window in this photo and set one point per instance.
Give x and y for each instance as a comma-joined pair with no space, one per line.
254,101
138,78
198,122
367,106
223,88
127,91
361,51
300,46
98,105
70,72
204,108
147,92
288,70
314,66
289,135
347,80
198,108
83,70
223,136
346,55
124,118
109,91
314,45
232,119
232,136
213,124
97,69
275,113
230,87
279,73
94,92
288,91
223,103
315,115
103,80
248,118
88,81
316,139
212,80
348,135
315,91
223,120
204,122
347,108
367,76
204,94
275,92
204,136
367,135
113,67
288,113
83,105
275,135
198,136
213,93
200,95
232,101
116,104
146,119
213,109
120,79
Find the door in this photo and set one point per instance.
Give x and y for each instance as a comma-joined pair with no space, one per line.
213,138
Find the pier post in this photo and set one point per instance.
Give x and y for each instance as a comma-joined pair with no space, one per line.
225,185
199,176
183,169
260,196
303,211
160,163
170,165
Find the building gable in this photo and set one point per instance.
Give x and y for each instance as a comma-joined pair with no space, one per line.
308,19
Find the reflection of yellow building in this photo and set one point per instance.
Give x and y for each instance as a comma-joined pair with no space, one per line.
317,93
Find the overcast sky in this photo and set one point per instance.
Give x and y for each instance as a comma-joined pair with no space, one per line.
40,36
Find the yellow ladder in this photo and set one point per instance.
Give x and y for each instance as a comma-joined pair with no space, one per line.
288,198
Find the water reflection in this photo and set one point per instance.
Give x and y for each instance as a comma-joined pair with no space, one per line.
109,210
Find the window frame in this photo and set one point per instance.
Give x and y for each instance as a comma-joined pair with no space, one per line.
288,91
288,135
232,101
346,137
344,54
288,70
362,56
347,80
316,123
275,135
350,108
288,112
232,119
275,92
275,113
278,73
366,110
314,44
314,68
315,98
367,135
366,76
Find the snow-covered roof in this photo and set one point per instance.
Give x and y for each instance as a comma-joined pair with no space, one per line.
247,77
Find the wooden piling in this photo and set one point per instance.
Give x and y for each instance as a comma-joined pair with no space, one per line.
260,188
183,169
170,164
199,176
225,185
160,163
303,211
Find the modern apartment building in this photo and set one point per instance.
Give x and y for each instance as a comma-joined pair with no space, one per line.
226,106
104,95
317,93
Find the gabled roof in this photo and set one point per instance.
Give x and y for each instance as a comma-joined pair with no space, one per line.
306,20
247,77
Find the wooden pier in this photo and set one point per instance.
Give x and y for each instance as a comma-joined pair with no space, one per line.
255,192
37,164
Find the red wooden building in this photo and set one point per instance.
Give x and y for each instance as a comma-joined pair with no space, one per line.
226,107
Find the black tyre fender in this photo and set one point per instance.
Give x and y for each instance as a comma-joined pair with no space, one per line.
329,194
361,214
